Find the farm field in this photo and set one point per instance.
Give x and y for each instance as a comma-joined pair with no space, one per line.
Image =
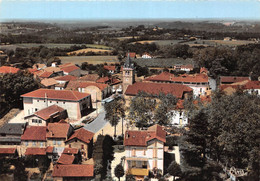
126,38
217,42
162,62
85,50
90,59
160,42
50,45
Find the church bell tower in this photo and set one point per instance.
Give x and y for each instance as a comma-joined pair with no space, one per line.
128,73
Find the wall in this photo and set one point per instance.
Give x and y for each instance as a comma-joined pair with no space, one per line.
75,143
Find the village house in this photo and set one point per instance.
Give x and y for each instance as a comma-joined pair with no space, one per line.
198,82
66,159
76,103
132,55
144,150
146,55
8,153
70,69
110,68
231,79
10,134
186,68
58,133
82,139
46,115
72,172
49,83
8,70
34,136
62,82
89,78
114,82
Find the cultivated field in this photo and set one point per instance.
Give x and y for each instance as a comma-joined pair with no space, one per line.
217,42
90,59
160,42
51,45
85,50
126,37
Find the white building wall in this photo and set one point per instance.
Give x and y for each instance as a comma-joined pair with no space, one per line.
178,118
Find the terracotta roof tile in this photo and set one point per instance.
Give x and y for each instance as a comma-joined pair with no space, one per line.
66,159
56,94
47,112
8,69
35,151
131,54
52,69
66,78
232,79
66,65
48,82
57,130
110,67
73,171
90,77
36,133
168,77
99,85
7,150
177,90
82,134
107,80
70,151
140,138
49,149
44,74
70,68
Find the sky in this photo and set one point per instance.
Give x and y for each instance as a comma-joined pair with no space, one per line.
128,9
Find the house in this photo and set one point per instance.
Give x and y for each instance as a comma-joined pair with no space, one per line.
49,83
72,172
66,159
177,90
131,55
71,70
76,103
231,79
146,55
251,87
110,68
58,133
8,70
46,115
179,116
34,136
82,139
10,133
198,82
114,82
8,153
39,66
90,78
144,150
186,68
63,81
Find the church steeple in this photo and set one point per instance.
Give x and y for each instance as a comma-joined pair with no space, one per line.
128,73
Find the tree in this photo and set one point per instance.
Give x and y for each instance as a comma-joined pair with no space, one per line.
114,111
174,169
119,171
141,110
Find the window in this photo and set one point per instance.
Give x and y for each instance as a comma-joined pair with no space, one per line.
144,152
50,101
38,100
59,142
26,143
40,121
54,142
63,102
36,109
82,147
57,102
41,144
134,152
69,145
34,143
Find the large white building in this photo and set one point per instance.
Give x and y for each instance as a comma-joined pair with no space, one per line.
76,103
144,151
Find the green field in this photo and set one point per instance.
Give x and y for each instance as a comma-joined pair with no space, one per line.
90,59
51,45
218,43
160,42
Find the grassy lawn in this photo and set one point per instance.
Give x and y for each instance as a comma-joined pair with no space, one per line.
90,59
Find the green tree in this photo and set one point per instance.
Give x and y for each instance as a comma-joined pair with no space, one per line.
114,111
119,171
141,110
174,169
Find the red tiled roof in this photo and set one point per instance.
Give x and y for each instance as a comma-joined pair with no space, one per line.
131,54
66,65
110,67
48,82
70,151
73,171
140,138
177,90
36,133
66,159
90,77
35,151
244,85
7,150
66,78
31,70
8,69
107,80
82,134
232,79
168,77
45,74
47,112
99,85
49,149
57,130
52,69
56,94
70,68
203,69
